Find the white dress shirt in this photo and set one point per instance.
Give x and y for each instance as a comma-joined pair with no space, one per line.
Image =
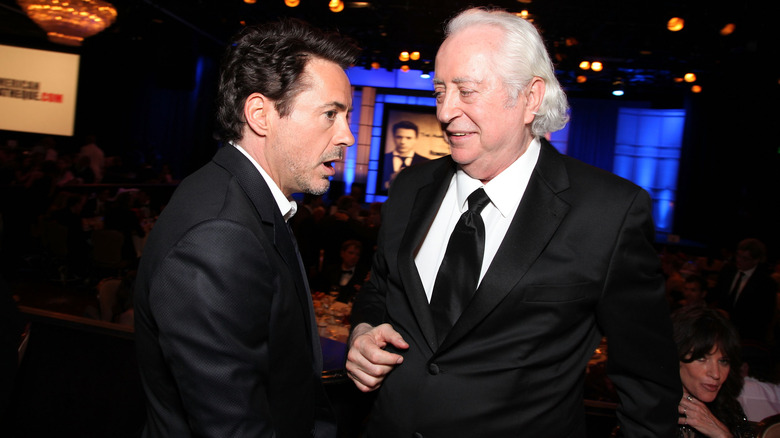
505,192
759,399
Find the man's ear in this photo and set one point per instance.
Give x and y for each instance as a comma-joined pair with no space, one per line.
257,109
534,94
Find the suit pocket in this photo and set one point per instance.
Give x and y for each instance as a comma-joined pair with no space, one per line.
556,293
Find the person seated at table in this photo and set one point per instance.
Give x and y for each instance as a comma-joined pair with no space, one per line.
709,351
346,277
760,396
694,292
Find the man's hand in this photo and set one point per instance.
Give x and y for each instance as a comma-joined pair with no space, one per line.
367,362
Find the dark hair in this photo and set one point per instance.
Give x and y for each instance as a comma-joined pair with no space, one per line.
754,247
698,279
405,124
351,243
270,59
696,331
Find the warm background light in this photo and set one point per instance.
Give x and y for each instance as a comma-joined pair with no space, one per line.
596,66
728,29
689,77
414,56
403,57
675,24
336,5
290,3
696,88
585,65
404,68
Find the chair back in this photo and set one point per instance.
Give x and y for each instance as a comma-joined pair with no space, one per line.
769,427
107,289
107,248
55,238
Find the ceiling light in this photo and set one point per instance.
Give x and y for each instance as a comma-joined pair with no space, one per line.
290,3
690,77
414,56
71,21
404,56
596,66
585,65
336,5
617,88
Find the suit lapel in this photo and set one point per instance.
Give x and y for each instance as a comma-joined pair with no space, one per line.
275,230
538,216
424,209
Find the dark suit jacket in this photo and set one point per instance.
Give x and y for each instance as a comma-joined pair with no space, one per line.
388,166
755,309
576,263
331,276
224,326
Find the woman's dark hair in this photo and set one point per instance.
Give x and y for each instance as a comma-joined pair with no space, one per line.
696,331
270,59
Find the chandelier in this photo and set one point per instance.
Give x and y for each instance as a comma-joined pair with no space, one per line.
70,21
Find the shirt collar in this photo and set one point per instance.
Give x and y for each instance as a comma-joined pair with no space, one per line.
506,189
287,206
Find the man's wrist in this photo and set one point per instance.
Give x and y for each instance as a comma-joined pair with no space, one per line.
358,330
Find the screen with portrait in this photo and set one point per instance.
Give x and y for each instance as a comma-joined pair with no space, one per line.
412,134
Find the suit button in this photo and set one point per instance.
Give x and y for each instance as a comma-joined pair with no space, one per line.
433,368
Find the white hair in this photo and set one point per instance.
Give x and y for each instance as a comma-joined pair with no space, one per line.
522,57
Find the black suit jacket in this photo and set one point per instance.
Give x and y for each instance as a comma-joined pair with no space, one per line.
224,326
755,308
576,263
388,167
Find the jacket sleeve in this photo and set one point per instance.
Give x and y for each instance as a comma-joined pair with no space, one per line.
635,318
213,315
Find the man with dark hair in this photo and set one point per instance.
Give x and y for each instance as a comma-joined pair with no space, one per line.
403,155
345,277
225,333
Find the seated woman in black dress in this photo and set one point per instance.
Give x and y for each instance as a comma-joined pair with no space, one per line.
709,349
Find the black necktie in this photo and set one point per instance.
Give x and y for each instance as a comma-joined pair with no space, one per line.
404,162
458,274
735,289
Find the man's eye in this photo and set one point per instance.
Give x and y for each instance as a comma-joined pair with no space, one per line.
331,115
